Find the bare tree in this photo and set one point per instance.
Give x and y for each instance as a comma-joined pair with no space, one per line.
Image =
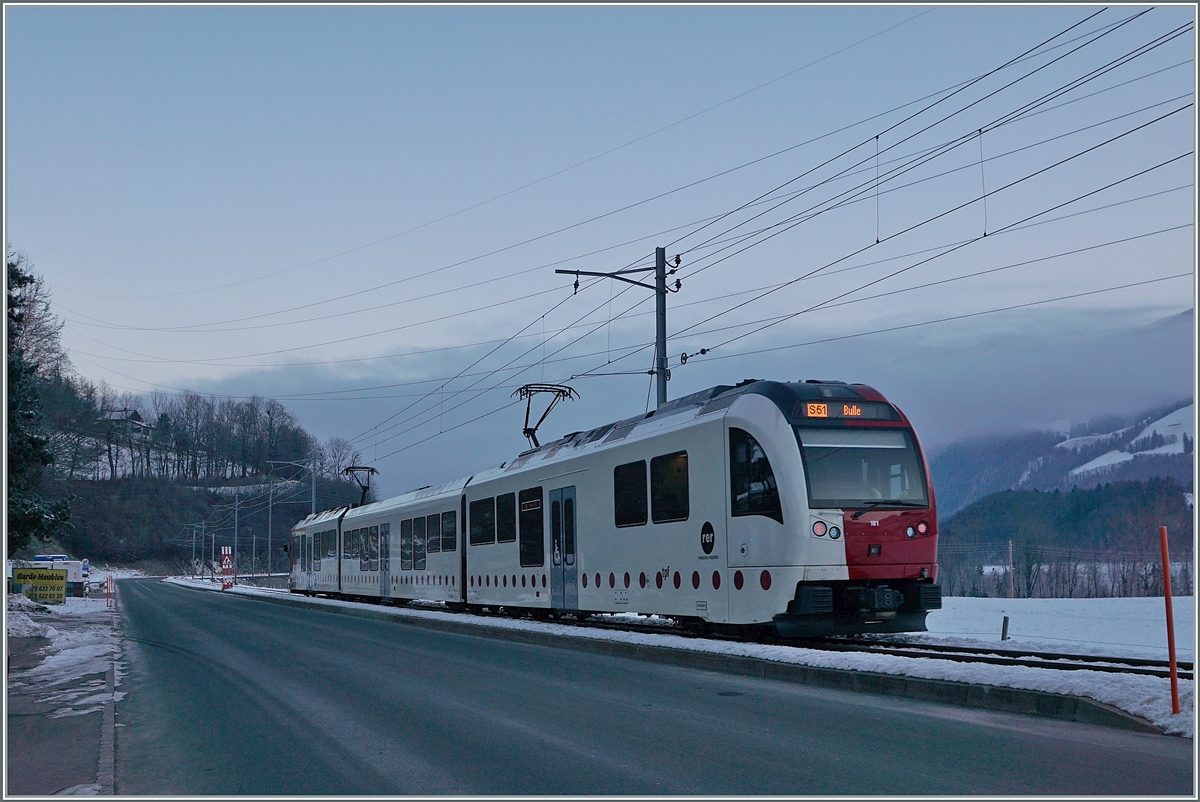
40,335
339,454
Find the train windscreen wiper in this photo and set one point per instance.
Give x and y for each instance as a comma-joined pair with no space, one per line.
875,504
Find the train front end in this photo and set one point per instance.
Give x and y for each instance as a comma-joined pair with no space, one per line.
868,484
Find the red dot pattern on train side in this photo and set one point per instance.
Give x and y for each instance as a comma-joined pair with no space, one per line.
658,580
642,579
585,580
696,580
716,580
738,580
678,580
764,579
626,579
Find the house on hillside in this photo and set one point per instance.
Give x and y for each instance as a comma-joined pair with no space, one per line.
125,425
125,428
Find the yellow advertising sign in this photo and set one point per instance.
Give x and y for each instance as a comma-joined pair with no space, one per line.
42,584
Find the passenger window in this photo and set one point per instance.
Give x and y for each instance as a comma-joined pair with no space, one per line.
433,529
364,549
449,531
483,521
506,518
385,547
331,543
374,566
419,544
669,487
349,545
752,488
533,546
569,530
629,493
555,530
406,545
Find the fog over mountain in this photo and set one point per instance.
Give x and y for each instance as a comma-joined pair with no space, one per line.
1027,370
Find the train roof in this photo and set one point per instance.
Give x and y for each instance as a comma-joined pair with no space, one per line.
673,414
683,410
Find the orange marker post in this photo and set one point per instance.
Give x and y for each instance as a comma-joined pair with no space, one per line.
1166,562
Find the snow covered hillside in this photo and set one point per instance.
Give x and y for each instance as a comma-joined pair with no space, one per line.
1172,434
1155,443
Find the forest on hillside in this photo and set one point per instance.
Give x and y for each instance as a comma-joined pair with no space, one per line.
1083,543
116,475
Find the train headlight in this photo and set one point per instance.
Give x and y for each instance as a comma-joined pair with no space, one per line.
835,532
910,532
819,528
922,528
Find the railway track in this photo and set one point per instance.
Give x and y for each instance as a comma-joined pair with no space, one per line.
1008,657
959,654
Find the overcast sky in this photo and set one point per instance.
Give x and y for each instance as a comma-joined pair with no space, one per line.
354,209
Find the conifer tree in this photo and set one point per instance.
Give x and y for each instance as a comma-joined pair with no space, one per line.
30,516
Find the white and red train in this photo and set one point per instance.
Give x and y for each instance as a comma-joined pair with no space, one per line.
802,506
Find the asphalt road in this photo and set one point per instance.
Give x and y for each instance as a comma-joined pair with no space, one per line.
231,695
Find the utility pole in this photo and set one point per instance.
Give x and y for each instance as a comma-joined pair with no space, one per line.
1010,570
313,511
194,549
270,505
660,289
660,322
203,535
235,535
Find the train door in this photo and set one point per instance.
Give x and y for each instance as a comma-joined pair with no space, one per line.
309,565
385,551
564,590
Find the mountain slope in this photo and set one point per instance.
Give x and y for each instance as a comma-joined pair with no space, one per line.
1156,443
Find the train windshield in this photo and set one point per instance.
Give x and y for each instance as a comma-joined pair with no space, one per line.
851,468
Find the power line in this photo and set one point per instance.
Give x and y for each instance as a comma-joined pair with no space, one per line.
217,360
922,158
976,239
536,181
952,89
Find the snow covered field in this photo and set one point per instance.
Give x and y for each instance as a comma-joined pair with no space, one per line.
1110,627
1135,627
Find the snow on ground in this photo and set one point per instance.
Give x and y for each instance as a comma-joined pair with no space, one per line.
1172,428
1105,460
1110,627
82,642
1135,627
1088,440
98,574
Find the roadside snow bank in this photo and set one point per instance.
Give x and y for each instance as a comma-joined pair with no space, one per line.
22,626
